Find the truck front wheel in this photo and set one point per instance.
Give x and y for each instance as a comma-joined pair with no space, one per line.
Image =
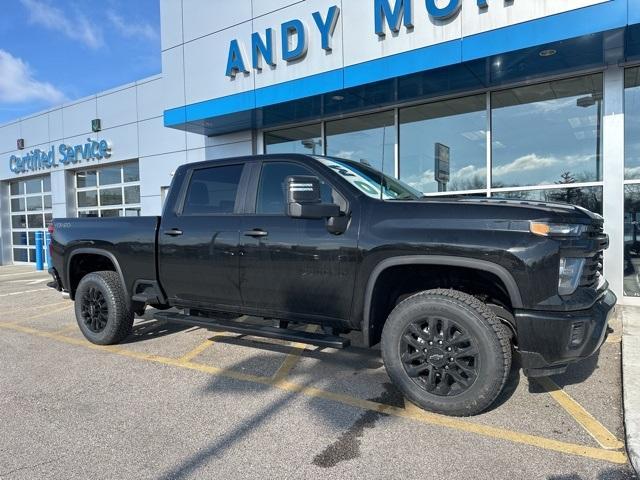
102,311
447,352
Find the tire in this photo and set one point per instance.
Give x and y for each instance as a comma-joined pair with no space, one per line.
424,372
102,312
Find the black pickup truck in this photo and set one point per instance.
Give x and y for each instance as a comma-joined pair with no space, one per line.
450,287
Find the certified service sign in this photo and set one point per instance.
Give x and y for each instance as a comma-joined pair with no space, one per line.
64,155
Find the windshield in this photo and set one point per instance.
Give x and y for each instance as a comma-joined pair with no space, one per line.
370,181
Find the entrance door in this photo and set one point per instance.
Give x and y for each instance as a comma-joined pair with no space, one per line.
290,267
198,246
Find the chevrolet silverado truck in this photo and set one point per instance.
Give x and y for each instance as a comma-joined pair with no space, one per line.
451,288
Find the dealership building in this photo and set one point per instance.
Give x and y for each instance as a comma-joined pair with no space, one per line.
526,99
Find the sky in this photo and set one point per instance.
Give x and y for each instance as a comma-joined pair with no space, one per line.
55,51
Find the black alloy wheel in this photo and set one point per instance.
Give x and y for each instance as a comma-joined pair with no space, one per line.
439,356
95,311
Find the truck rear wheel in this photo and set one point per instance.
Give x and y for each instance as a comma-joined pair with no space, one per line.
447,352
102,311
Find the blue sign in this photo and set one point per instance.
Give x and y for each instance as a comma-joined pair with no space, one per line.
64,155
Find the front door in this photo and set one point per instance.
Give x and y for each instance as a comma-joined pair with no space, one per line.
290,267
198,246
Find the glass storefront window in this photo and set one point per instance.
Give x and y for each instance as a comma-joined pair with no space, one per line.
34,203
103,192
305,139
586,197
110,175
547,133
631,284
111,196
369,139
632,123
131,173
132,194
86,179
88,199
17,204
32,198
455,126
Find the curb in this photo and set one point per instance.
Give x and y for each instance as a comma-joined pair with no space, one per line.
631,384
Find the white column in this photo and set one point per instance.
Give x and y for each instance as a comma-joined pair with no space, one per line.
613,175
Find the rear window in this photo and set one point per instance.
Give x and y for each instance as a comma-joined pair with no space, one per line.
213,190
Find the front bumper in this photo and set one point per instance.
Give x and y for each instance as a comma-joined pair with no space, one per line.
549,341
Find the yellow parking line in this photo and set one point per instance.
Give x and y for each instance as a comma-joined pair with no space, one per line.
292,358
618,457
593,427
67,329
187,357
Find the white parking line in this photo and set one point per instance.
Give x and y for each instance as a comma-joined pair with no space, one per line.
28,281
24,291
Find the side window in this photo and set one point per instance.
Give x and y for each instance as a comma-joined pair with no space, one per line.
271,191
213,190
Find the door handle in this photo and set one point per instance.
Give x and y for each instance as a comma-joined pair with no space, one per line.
174,232
256,232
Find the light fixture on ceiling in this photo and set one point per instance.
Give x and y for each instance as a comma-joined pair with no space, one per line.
337,98
549,52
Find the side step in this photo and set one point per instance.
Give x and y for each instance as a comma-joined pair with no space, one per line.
266,331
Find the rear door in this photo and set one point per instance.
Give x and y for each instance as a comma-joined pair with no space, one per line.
198,240
291,267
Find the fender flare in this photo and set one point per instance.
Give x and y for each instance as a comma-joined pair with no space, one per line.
104,253
483,265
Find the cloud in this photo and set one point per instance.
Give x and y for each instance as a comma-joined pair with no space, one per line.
78,27
131,29
18,85
525,163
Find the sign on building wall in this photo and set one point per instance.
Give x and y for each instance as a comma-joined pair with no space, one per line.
62,155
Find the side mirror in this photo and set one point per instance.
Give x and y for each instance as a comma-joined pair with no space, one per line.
304,199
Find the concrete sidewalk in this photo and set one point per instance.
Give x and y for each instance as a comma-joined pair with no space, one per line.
631,380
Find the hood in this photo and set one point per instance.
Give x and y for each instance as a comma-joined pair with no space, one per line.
509,209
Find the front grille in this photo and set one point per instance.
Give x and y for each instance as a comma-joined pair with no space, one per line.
592,271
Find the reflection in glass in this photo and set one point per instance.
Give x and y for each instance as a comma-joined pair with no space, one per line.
47,201
35,221
306,139
131,172
17,204
19,221
110,175
34,203
86,179
17,188
111,196
132,194
20,255
586,197
455,126
369,139
34,185
48,218
131,212
631,284
548,133
19,238
88,213
632,123
88,199
111,213
46,183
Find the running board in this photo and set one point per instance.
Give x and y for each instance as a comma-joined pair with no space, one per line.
266,331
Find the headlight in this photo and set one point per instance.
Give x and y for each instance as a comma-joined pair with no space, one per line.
556,229
569,275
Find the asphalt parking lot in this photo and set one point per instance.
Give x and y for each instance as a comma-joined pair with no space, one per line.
177,402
